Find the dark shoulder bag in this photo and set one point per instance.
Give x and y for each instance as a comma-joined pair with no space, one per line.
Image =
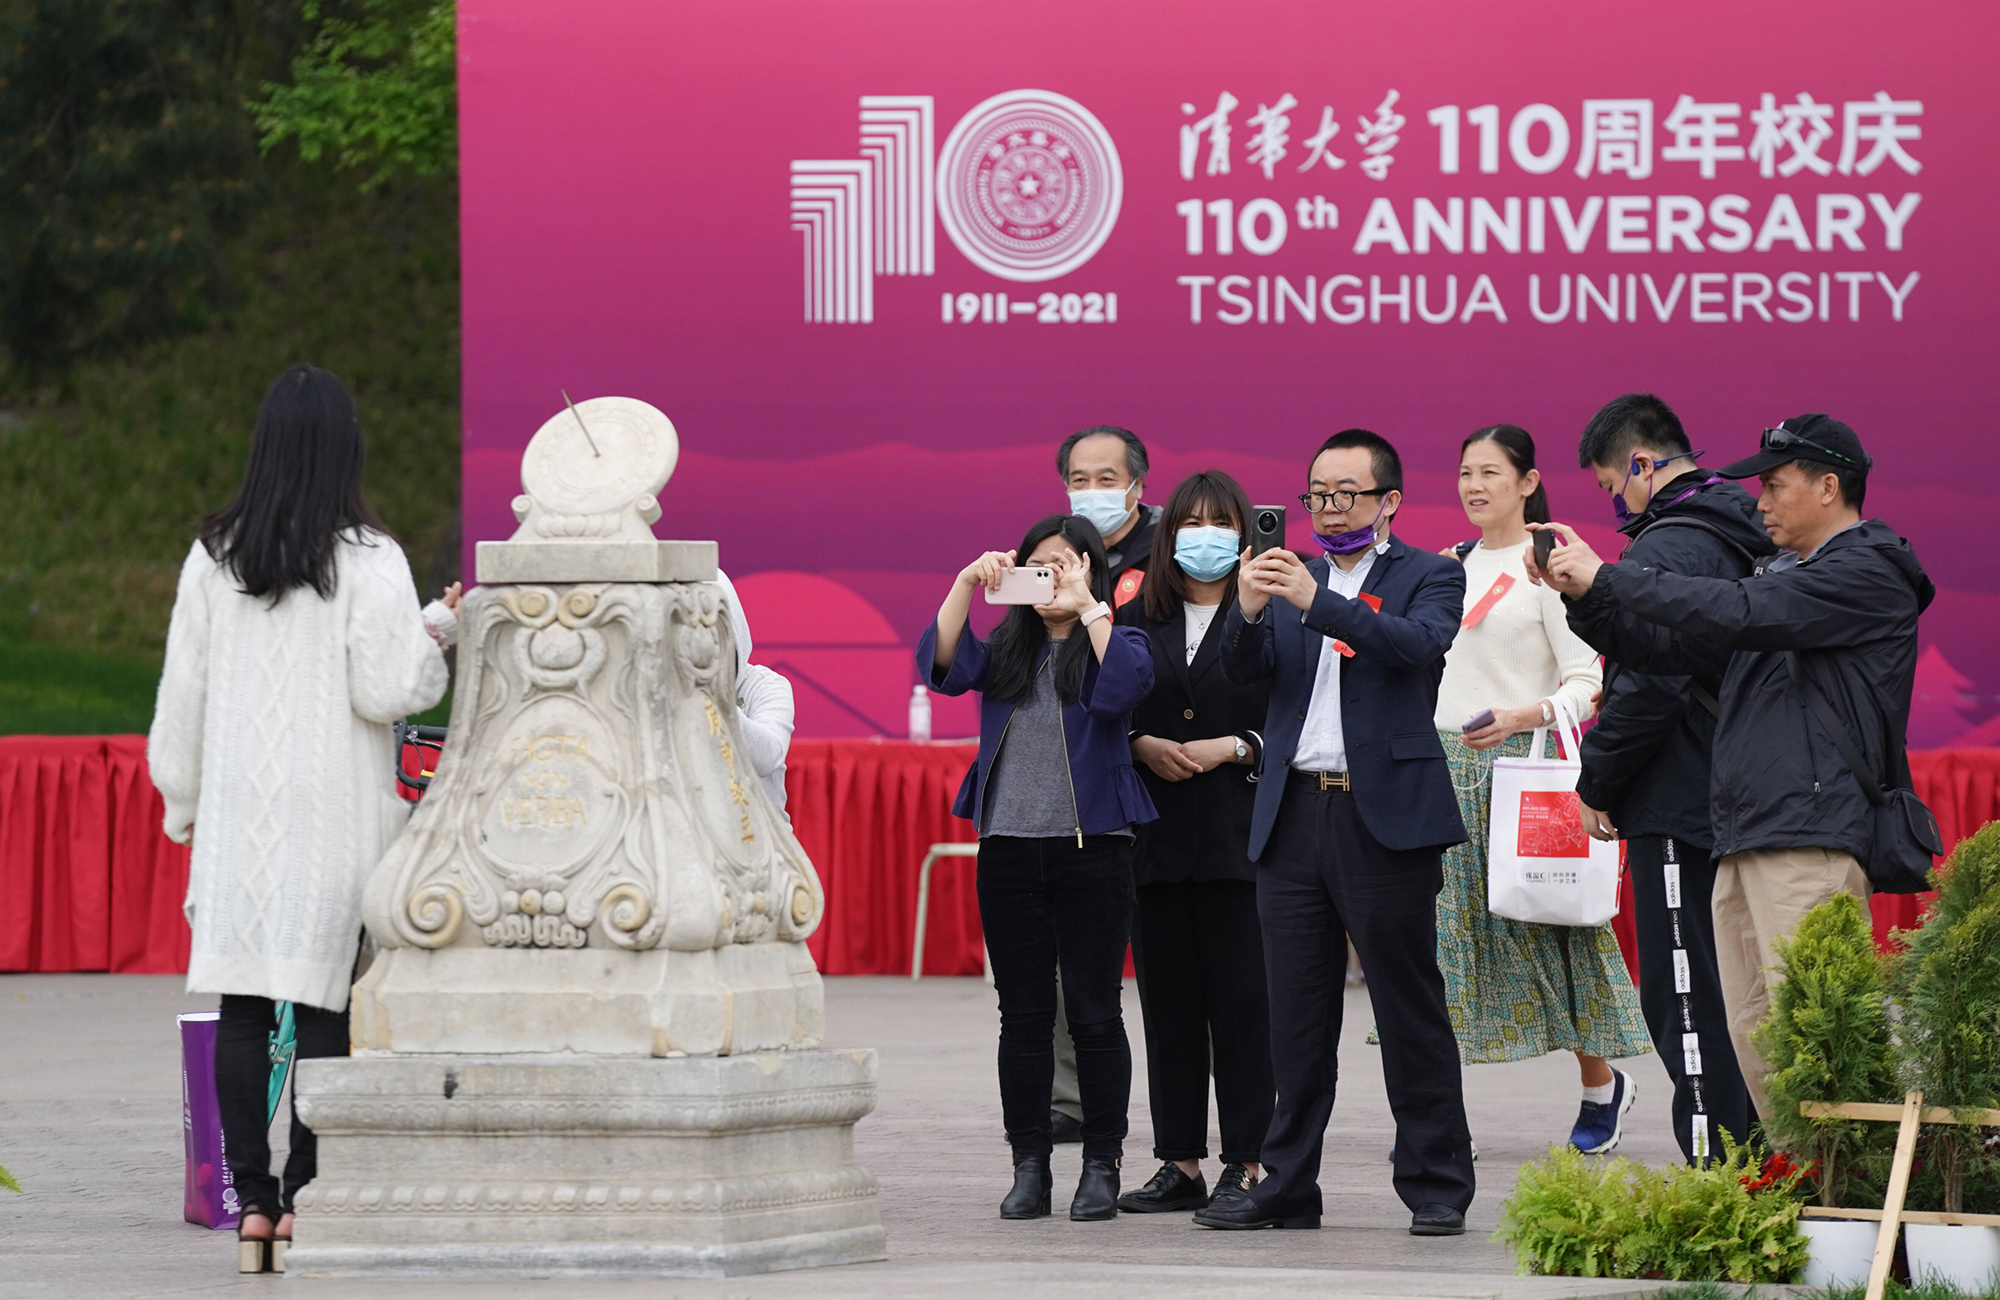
1906,839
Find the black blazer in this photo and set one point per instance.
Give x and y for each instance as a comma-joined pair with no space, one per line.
1203,832
1388,692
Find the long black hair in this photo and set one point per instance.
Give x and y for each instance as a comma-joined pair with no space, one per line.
301,490
1520,449
1016,645
1218,494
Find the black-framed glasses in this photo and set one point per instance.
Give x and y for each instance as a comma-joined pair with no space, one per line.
1340,501
1781,439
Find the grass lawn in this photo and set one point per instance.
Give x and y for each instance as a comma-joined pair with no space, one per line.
102,480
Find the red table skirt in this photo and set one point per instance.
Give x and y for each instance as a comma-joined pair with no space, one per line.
92,884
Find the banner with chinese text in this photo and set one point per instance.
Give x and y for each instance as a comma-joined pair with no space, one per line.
875,260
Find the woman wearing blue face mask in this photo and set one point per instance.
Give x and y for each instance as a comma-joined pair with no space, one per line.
1196,942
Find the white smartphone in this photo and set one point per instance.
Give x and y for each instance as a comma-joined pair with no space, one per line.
1029,585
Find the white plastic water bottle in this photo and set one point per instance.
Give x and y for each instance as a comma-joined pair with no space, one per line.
920,713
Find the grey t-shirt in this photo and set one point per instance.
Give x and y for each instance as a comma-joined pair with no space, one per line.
1028,791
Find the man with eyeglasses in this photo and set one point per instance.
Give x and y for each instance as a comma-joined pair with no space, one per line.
1354,810
1827,629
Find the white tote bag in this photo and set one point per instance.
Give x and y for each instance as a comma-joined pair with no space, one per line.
1540,865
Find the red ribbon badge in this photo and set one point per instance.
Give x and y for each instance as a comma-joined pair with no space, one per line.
1501,586
1373,602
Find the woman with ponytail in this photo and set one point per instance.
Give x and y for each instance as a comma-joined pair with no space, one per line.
1517,989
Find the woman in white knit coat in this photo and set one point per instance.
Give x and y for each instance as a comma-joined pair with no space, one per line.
296,640
1516,989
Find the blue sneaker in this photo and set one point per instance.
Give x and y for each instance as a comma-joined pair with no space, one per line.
1600,1125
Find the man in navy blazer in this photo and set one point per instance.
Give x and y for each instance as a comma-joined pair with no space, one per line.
1355,808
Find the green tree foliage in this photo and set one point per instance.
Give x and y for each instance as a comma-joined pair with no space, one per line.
375,88
1577,1217
1947,982
125,162
1827,1039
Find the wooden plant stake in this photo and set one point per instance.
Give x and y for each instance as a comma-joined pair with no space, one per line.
1909,1116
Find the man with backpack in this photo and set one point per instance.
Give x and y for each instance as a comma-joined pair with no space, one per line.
1817,649
1646,763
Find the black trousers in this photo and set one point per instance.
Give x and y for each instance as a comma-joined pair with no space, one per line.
1681,995
1324,880
1198,950
242,1092
1041,901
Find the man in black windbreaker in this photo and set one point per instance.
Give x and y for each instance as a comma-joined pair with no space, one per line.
1792,826
1646,762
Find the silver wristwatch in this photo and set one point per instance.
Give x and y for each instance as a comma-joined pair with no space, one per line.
1242,750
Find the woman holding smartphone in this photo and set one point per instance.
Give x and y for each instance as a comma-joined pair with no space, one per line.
1055,799
1197,945
1517,989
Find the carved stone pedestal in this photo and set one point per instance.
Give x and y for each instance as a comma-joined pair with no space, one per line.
545,1166
586,1043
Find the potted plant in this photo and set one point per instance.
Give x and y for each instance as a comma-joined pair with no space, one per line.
1947,984
1827,1039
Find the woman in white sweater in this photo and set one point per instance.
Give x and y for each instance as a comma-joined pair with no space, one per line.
1517,989
296,640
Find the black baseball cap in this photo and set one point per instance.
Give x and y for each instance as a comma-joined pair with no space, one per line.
1817,438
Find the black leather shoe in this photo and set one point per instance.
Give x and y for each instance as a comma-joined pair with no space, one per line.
1064,1129
1233,1207
1437,1221
1168,1191
1033,1184
1096,1192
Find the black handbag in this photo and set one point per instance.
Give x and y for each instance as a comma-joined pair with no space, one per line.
1906,840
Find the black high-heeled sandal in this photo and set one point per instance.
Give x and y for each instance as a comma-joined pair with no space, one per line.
253,1254
280,1243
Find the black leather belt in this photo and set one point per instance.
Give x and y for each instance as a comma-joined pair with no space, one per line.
1319,781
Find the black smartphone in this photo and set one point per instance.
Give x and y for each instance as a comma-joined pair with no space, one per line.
1267,528
1545,543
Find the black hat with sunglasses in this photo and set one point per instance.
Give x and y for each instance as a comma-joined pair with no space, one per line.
1817,438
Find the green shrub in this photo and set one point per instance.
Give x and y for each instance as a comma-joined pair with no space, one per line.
1576,1217
1827,1039
1947,982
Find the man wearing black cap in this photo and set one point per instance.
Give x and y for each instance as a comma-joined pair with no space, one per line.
1829,624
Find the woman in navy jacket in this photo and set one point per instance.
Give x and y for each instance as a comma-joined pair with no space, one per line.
1197,945
1055,798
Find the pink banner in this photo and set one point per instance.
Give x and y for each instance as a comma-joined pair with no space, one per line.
876,260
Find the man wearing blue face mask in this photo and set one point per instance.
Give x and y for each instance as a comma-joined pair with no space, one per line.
1645,773
1104,471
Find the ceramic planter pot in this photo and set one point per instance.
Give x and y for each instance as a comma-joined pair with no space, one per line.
1965,1255
1841,1251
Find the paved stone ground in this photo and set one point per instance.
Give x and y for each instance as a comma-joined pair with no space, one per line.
90,1124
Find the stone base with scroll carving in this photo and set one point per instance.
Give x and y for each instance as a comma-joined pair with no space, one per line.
546,1166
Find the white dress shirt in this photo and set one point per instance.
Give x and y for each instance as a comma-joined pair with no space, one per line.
1322,745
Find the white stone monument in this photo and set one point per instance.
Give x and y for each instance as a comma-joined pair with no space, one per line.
588,1043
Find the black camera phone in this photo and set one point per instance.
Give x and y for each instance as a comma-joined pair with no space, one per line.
1267,528
1545,543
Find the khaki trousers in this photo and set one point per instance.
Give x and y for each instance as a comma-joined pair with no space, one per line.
1759,898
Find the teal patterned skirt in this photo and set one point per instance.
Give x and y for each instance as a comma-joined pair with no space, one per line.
1517,989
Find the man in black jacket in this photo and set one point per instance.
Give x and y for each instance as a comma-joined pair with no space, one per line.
1646,762
1837,618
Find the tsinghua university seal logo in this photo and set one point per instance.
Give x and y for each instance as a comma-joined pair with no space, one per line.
1027,186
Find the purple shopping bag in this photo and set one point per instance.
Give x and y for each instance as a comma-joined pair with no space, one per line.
210,1198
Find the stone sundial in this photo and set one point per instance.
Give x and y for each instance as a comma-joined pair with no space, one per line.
591,477
588,1042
